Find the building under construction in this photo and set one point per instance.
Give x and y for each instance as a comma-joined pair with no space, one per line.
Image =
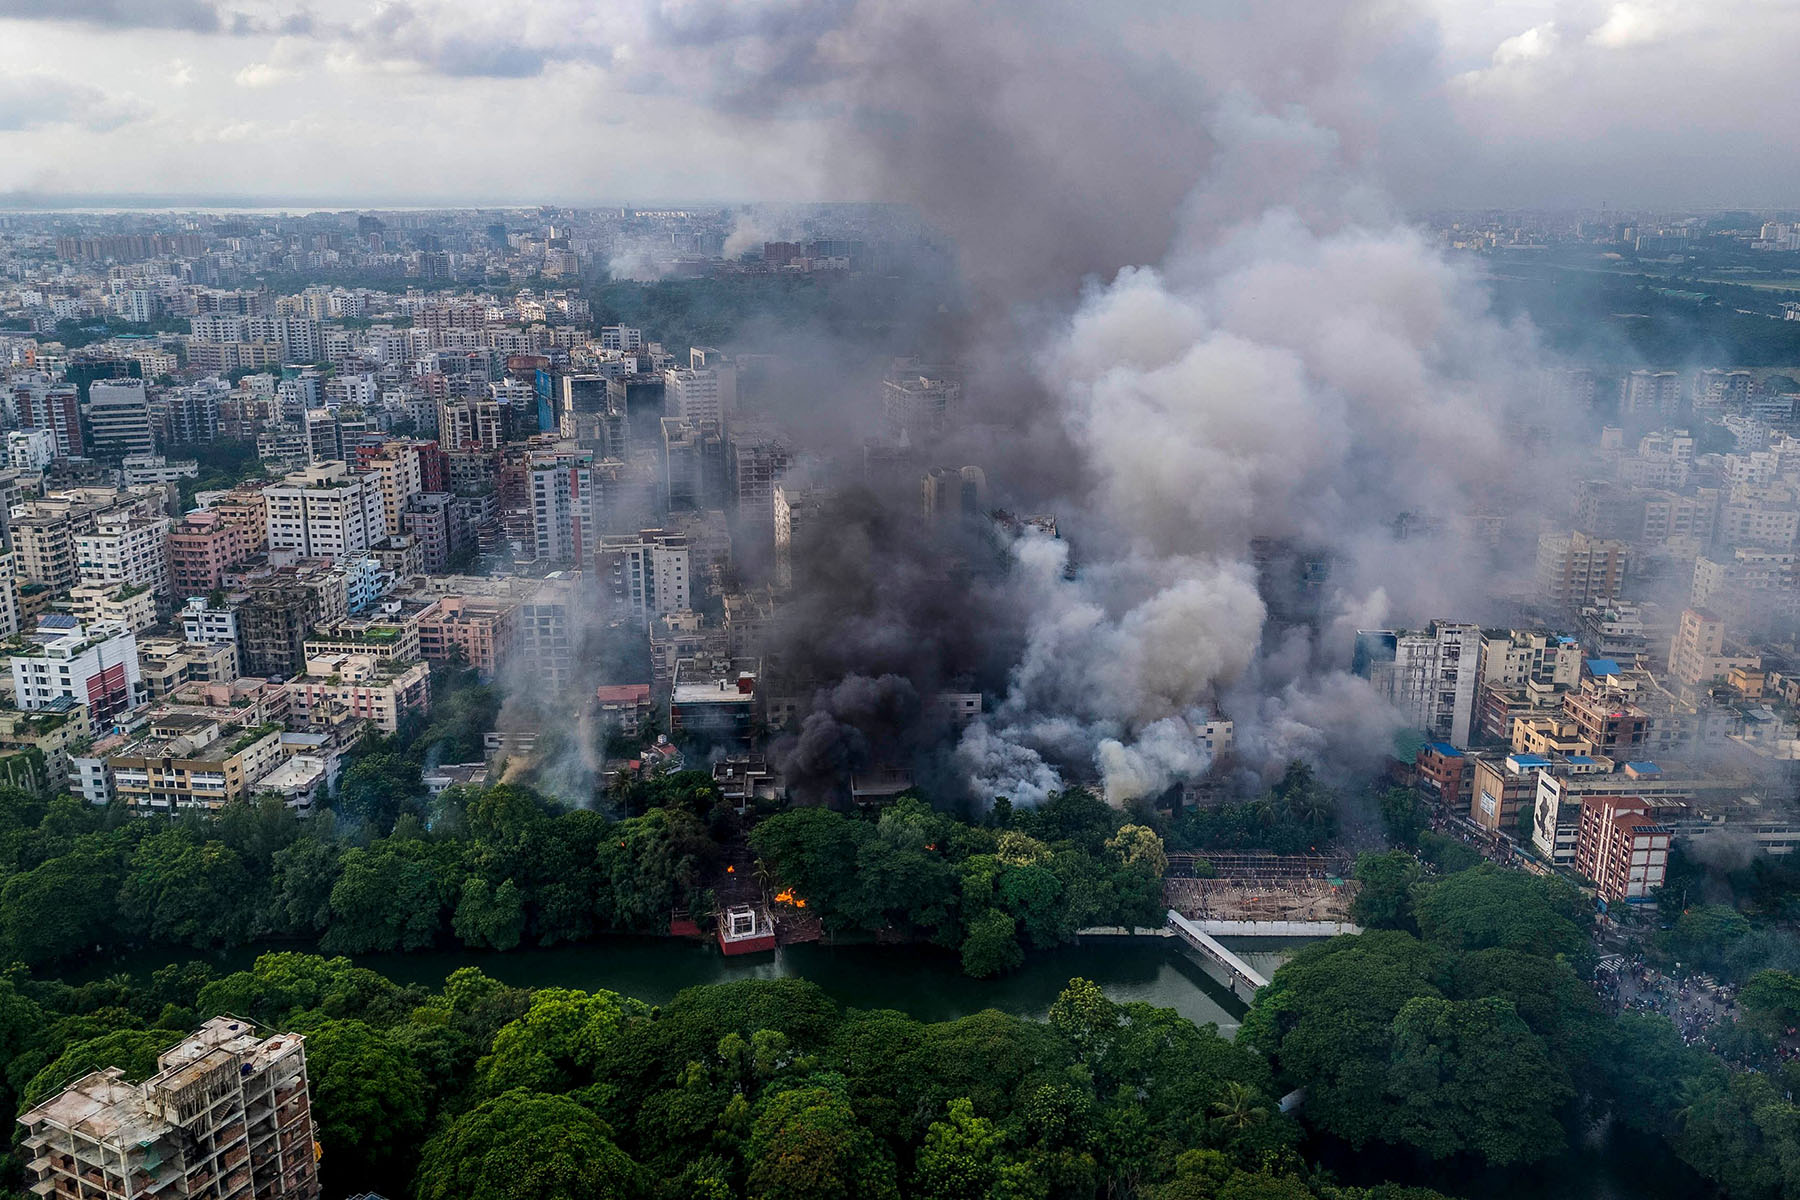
1259,887
226,1115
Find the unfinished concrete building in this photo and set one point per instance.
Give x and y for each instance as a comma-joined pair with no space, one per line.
227,1115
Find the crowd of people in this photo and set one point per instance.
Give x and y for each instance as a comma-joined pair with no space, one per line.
1695,1003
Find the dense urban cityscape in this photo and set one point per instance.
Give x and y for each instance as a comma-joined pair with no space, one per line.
789,601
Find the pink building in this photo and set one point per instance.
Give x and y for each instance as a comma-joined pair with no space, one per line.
201,549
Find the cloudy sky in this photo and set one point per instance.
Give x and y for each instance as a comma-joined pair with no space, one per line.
1653,102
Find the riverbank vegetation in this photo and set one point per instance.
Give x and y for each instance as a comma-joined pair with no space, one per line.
499,867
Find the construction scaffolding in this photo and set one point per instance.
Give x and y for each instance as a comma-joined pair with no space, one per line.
1259,887
1221,864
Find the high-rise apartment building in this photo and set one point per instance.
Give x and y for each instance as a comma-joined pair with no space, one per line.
1697,655
55,408
1516,657
433,519
1653,394
325,511
917,406
645,574
1429,676
127,548
1574,569
796,508
567,510
201,548
1751,590
226,1115
192,417
693,395
948,493
1622,847
398,476
118,414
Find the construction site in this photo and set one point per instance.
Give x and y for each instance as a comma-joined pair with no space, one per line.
1259,887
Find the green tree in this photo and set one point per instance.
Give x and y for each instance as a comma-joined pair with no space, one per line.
807,1145
1326,1021
524,1146
180,890
284,985
369,1101
1705,934
992,945
1138,847
1492,907
488,916
389,896
1402,816
1384,890
378,787
304,874
1771,1001
1467,1077
965,1158
559,1041
652,865
63,906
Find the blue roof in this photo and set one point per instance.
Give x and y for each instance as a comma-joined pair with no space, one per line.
1445,749
1602,666
1581,760
1528,761
1645,768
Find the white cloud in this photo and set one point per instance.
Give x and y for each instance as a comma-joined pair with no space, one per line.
1536,42
262,75
1628,24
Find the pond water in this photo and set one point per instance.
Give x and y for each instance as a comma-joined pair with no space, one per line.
920,981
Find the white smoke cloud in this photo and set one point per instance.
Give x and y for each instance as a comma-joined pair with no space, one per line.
1302,370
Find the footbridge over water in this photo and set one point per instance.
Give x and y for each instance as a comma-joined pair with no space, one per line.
1240,976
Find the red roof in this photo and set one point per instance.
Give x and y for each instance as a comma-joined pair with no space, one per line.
623,693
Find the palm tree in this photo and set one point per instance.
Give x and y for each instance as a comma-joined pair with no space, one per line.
1237,1109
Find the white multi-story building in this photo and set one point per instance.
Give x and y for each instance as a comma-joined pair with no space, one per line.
96,666
30,449
565,505
621,337
1650,393
697,395
647,573
325,511
201,622
125,548
1429,676
1519,656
